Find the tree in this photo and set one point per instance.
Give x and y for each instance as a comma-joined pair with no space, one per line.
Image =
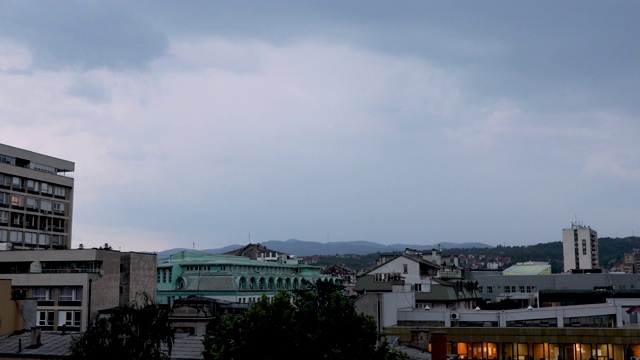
318,322
136,331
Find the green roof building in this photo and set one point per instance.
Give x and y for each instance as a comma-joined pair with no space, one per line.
231,278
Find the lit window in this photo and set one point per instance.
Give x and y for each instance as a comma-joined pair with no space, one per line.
17,200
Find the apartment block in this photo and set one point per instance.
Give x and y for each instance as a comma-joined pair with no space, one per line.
36,200
580,248
71,286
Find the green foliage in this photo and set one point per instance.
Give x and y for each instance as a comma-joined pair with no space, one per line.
136,331
319,322
611,253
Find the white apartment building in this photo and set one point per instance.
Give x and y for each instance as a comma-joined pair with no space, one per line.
580,248
36,200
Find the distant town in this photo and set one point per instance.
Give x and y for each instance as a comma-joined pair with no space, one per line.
575,299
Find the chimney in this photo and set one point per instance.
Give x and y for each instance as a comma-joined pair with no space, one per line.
35,336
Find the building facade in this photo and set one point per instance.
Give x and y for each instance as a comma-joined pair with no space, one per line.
71,286
580,248
36,200
230,278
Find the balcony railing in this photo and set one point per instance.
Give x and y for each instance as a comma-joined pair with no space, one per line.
70,271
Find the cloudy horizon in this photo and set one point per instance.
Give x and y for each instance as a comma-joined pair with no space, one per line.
407,122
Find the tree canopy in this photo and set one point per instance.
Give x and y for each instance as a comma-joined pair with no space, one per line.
318,322
136,331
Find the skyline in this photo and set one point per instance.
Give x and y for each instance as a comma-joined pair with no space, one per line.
412,122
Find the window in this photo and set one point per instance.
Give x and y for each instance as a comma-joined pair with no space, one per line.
33,185
47,189
17,201
30,238
59,191
4,198
480,289
66,294
32,203
158,276
69,318
17,182
521,288
45,318
5,180
489,289
58,208
405,268
40,293
45,207
164,276
15,236
4,234
44,239
528,289
16,218
4,217
43,294
417,287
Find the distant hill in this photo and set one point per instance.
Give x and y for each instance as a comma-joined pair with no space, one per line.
308,248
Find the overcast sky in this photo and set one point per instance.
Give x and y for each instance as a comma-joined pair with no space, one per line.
195,124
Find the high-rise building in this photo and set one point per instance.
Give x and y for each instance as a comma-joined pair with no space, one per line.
580,248
36,200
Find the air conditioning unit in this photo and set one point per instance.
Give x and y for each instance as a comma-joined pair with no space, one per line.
455,316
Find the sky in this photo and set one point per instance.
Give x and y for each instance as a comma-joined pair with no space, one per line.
203,124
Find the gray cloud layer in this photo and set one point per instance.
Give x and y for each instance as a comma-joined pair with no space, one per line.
392,122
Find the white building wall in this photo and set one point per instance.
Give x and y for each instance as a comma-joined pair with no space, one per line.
411,276
584,246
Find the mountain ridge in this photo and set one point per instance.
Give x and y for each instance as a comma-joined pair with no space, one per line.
309,248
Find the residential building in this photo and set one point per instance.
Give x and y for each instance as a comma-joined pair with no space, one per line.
580,249
631,262
36,200
257,252
230,278
416,280
71,286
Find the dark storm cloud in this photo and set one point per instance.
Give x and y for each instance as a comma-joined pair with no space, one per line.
82,35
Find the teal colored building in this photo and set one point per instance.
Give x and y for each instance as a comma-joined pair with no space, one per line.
231,278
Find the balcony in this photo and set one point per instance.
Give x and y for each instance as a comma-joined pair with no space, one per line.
70,271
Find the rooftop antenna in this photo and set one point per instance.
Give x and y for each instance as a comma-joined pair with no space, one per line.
193,245
249,237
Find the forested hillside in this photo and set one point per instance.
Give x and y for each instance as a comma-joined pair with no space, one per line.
612,251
